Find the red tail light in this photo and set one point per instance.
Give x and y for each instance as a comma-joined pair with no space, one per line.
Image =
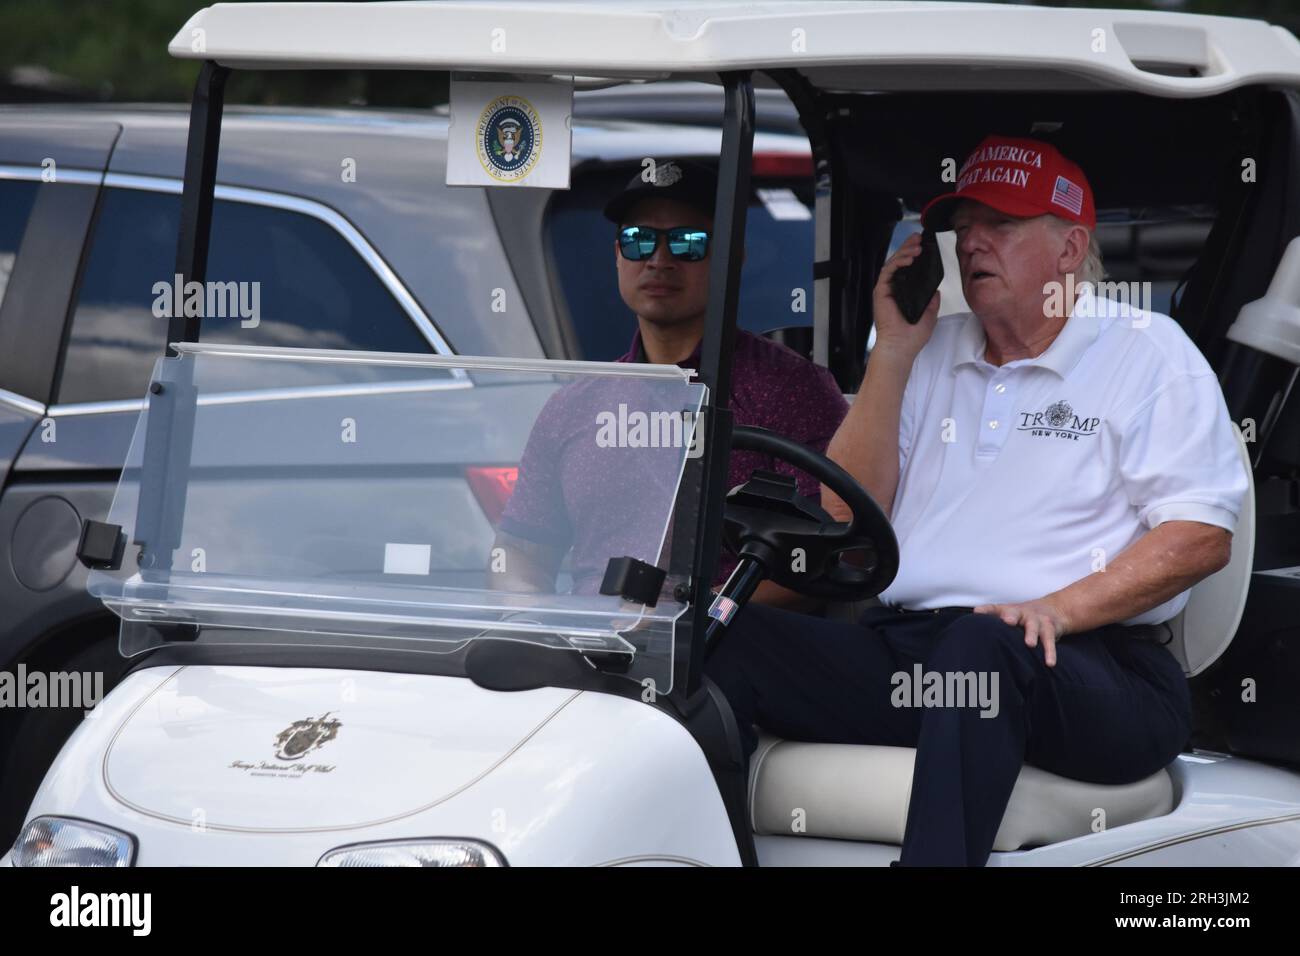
782,165
493,488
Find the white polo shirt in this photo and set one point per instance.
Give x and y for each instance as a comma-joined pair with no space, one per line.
1020,479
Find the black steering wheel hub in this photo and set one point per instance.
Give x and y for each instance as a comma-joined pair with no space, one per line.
797,543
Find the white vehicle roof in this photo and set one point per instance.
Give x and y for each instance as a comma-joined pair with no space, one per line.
847,45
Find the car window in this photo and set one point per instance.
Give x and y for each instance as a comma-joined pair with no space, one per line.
16,200
776,278
298,284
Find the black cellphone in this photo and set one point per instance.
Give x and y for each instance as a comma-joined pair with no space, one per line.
914,285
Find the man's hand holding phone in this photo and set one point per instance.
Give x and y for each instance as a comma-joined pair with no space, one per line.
918,284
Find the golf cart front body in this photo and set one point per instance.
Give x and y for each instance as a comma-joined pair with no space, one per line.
287,508
187,761
326,660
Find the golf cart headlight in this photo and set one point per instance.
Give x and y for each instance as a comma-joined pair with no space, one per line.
55,841
414,853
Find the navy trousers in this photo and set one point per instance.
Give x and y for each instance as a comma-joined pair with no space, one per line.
1114,709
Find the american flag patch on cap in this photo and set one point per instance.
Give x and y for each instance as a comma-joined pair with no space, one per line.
723,609
1069,195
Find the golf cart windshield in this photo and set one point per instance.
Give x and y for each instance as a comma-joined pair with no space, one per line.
386,500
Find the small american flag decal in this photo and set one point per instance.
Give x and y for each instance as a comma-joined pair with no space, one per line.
723,609
1069,195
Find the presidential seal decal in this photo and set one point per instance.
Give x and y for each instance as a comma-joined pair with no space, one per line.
509,138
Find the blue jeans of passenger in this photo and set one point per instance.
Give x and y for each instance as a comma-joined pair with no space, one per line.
1115,708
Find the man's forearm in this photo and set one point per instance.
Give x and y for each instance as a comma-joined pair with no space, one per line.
866,444
522,566
1165,561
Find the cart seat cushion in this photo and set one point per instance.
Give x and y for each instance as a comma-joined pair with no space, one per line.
858,792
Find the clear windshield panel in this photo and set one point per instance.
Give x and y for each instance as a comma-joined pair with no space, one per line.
385,500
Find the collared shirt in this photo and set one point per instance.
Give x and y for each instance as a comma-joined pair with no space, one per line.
563,497
1018,480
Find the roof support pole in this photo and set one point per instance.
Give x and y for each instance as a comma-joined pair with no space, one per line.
168,440
719,341
196,199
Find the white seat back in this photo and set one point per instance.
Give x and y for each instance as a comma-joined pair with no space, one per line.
1204,628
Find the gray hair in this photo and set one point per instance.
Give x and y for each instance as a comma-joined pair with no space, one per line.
1092,269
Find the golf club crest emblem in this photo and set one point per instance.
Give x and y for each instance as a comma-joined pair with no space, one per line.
509,138
303,736
1058,413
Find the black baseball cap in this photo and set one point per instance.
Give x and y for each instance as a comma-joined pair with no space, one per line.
692,183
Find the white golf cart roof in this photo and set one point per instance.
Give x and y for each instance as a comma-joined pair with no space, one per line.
838,45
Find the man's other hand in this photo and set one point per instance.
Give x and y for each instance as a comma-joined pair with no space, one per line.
1042,620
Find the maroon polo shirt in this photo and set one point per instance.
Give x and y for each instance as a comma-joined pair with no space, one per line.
572,495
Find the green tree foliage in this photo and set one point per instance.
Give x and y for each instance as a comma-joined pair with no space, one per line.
117,50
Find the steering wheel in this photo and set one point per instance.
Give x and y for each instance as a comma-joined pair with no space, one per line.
799,545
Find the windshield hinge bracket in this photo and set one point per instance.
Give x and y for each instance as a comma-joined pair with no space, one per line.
101,545
633,580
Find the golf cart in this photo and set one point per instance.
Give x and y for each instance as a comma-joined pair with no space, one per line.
320,676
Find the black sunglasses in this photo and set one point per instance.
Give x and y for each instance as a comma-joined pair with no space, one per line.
685,243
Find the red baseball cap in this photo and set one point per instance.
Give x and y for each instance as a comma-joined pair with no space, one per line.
1020,177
